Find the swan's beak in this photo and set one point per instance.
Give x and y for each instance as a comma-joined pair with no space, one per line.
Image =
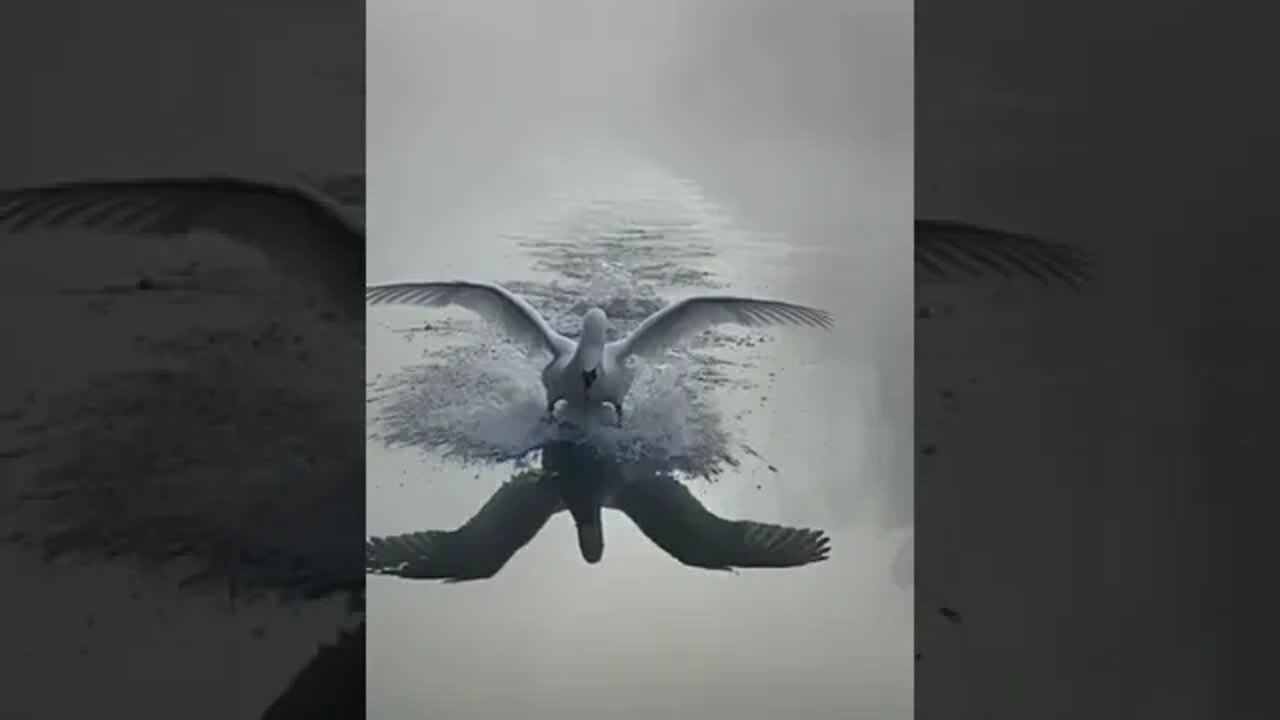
589,378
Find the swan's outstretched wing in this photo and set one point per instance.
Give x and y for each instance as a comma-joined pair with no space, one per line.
943,246
690,316
491,302
478,549
302,231
665,511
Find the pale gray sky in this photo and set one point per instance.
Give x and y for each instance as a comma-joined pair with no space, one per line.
784,133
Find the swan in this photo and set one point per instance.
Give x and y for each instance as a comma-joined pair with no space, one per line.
576,478
591,371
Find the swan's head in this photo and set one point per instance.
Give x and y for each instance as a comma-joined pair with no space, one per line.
595,324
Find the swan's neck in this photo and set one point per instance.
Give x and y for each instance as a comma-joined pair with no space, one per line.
589,353
591,341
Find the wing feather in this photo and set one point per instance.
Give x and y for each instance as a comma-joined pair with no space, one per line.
494,303
687,317
477,550
669,515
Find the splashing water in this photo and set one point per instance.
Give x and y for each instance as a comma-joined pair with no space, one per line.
480,406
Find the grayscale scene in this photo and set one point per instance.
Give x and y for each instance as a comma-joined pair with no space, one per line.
596,487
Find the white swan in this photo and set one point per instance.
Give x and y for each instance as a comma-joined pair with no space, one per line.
590,371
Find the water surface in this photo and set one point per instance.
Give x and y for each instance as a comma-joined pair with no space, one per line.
630,212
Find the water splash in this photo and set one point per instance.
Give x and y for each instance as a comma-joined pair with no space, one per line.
485,406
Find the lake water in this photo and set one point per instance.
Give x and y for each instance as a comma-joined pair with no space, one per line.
539,175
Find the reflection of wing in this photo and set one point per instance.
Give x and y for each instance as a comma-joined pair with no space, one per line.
478,549
491,302
690,316
943,247
666,512
331,685
304,233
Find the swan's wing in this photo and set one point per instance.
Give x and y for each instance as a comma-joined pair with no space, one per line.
690,316
303,232
943,247
669,515
491,302
478,549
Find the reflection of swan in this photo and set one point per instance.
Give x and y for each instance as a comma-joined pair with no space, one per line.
592,371
581,480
